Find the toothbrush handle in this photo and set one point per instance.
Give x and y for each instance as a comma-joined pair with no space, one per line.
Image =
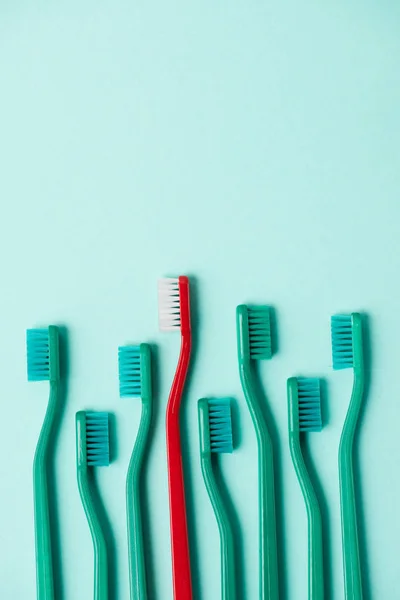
269,582
351,553
99,542
44,561
315,544
179,532
228,584
137,571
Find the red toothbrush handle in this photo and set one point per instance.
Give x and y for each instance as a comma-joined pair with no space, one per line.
181,574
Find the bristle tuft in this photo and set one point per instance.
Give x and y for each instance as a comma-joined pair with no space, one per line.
220,423
97,439
260,333
130,380
38,354
309,395
342,342
169,310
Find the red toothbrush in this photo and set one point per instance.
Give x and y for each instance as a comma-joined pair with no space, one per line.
174,315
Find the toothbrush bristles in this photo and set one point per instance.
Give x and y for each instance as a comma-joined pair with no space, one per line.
97,439
130,380
220,424
342,342
169,309
309,396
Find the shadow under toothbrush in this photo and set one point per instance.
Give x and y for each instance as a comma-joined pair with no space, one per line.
278,469
186,441
323,504
186,444
232,512
278,458
236,430
146,490
361,521
114,447
56,545
278,465
105,522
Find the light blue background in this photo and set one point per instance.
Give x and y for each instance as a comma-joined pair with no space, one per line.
254,145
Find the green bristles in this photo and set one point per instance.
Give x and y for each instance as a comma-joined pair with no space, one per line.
97,439
309,404
220,425
43,355
342,342
260,342
135,374
38,354
130,380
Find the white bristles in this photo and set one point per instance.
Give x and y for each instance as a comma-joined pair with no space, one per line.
169,310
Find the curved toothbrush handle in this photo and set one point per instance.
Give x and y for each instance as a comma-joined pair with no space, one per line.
99,542
315,544
228,583
351,553
44,560
137,570
181,573
269,582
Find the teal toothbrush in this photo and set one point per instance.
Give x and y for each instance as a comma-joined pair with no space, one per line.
304,404
92,450
135,382
347,351
44,365
254,344
215,428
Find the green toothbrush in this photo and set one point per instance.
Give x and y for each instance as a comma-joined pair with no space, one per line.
254,344
304,404
44,365
347,351
215,428
135,382
93,450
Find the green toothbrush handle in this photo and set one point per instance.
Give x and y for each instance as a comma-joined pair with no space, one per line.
44,562
228,587
315,545
351,554
137,571
269,583
99,542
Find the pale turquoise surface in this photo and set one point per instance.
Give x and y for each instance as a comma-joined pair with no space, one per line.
254,145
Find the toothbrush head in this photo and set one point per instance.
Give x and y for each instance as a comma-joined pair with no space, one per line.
43,356
254,332
134,371
173,304
215,423
342,342
304,404
92,439
97,439
309,404
220,425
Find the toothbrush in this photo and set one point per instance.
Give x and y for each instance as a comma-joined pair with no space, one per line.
135,382
347,351
215,429
254,344
43,360
304,404
92,450
174,315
